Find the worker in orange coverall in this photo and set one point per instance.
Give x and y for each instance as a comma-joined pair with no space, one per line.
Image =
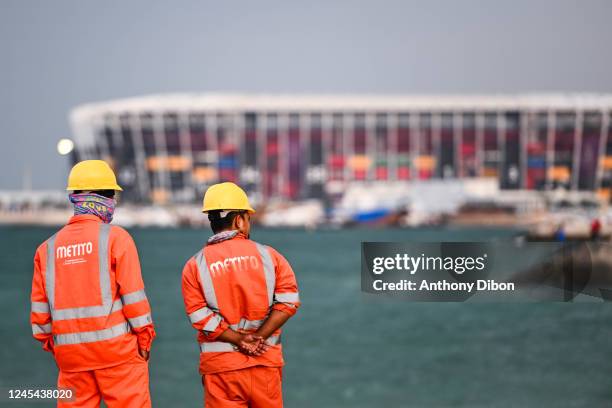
238,293
89,307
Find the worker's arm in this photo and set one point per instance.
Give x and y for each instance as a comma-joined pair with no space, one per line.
202,318
40,315
136,308
286,296
274,322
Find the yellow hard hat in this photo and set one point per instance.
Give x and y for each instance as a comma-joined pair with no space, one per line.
92,175
226,196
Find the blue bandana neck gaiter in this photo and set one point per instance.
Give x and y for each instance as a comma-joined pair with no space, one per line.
91,203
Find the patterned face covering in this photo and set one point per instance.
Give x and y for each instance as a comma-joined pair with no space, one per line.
222,236
91,203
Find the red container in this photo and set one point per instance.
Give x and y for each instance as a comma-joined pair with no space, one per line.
227,149
291,190
536,149
227,175
272,149
425,174
359,174
535,176
467,149
382,173
403,173
336,161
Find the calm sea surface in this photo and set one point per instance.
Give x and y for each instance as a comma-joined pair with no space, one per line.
343,350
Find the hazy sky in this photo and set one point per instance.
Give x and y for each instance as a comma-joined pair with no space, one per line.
58,54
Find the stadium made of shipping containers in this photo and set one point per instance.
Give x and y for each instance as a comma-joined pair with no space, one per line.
169,148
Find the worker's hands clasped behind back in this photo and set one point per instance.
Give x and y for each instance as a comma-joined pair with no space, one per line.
251,344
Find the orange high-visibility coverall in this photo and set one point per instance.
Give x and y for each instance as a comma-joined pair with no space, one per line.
90,310
235,283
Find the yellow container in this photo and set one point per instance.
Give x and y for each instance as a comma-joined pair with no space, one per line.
607,162
604,193
169,163
359,162
490,172
155,163
204,174
160,196
559,173
178,163
425,162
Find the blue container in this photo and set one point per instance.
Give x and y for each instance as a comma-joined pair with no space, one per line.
536,162
227,162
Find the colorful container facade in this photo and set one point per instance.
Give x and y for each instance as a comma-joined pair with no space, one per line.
171,148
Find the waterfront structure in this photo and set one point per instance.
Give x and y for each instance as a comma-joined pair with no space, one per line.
170,148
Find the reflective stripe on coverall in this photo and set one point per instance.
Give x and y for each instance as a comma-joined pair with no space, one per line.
89,307
235,284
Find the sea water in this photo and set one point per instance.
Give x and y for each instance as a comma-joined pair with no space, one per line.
344,349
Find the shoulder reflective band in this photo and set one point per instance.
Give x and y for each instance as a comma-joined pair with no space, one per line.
107,307
40,307
134,297
223,347
92,336
50,271
206,280
289,297
246,324
268,267
200,314
140,321
41,328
